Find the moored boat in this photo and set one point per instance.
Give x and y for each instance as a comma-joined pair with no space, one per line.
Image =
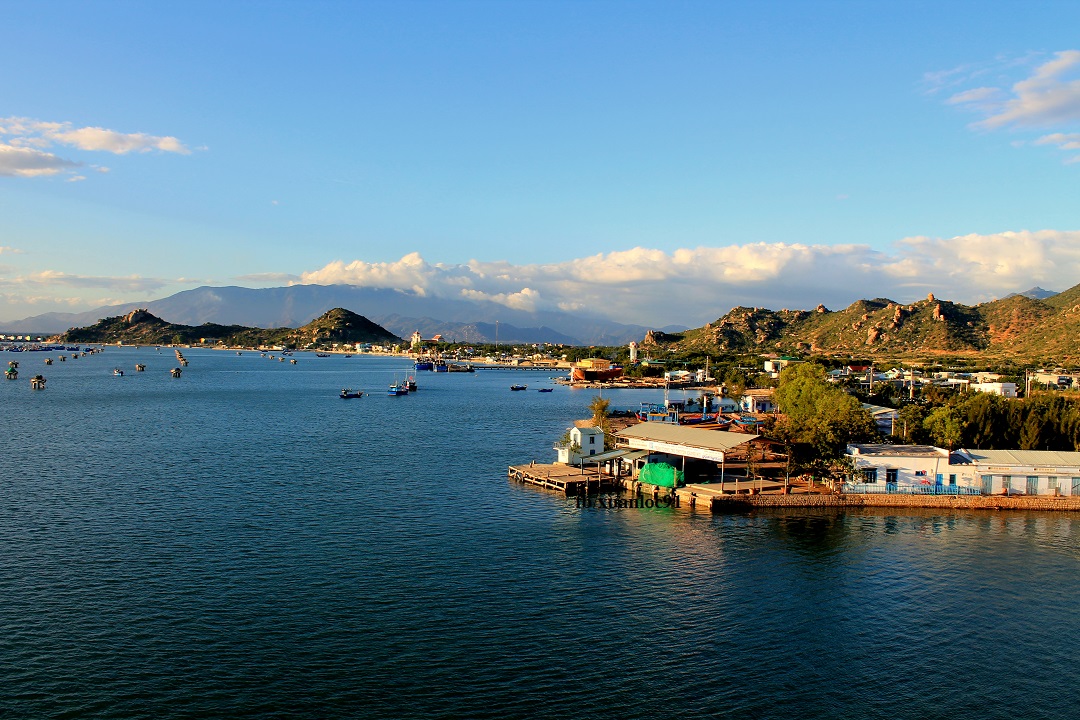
347,394
519,387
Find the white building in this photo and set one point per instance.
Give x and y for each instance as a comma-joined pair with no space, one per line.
758,401
910,467
1030,472
885,418
1004,389
585,439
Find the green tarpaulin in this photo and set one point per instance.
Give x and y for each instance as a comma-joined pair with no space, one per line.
661,474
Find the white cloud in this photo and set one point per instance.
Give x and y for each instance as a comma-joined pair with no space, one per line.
1048,98
10,250
696,285
56,278
28,162
24,152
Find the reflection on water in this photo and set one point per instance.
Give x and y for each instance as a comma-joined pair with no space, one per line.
240,542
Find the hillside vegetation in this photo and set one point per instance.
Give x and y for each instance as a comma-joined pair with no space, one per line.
1017,327
142,328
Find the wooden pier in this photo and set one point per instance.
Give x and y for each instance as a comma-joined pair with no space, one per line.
565,478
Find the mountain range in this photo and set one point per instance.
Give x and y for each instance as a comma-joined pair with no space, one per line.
1017,327
400,312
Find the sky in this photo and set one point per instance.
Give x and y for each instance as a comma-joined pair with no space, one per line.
648,162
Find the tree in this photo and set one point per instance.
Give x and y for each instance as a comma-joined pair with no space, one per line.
819,418
599,409
945,426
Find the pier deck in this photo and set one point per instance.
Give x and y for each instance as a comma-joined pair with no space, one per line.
564,478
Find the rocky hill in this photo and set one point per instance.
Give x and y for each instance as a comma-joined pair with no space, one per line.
1018,326
140,327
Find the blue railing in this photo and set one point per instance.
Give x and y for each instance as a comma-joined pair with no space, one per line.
897,489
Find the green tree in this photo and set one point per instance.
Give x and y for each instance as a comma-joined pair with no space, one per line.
599,407
945,426
819,418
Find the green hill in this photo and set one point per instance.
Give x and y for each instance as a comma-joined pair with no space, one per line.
1016,327
140,327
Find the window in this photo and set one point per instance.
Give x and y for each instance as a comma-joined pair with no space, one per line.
1006,483
869,475
891,475
1032,484
987,484
592,439
1052,483
952,479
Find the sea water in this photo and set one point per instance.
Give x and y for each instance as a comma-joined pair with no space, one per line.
239,542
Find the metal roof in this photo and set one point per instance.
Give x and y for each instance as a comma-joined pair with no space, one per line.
1041,458
690,437
623,453
881,450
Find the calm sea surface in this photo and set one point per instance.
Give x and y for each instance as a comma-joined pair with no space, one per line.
240,543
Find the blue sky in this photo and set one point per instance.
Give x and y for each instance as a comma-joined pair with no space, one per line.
649,162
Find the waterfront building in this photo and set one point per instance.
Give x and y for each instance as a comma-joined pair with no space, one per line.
1028,472
760,400
925,468
583,439
908,468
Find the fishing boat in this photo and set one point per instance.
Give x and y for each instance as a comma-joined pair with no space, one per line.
398,389
322,354
118,372
424,365
347,394
545,390
519,387
411,384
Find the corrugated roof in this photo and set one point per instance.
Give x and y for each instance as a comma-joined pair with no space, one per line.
720,440
882,450
1042,458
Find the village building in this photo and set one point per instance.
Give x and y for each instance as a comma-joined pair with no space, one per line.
758,401
1004,389
583,439
908,468
1028,472
929,469
886,419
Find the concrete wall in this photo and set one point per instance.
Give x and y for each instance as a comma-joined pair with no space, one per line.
948,502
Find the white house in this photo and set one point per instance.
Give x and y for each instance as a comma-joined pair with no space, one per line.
908,467
758,401
585,439
1030,472
1004,389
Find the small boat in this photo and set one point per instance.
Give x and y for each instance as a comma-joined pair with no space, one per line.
118,372
411,384
347,394
322,354
545,390
519,387
398,389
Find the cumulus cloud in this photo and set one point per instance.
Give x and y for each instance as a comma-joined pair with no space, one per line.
9,250
1049,97
25,144
696,285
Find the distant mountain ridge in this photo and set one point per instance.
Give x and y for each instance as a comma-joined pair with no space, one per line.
1035,293
400,312
1018,326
